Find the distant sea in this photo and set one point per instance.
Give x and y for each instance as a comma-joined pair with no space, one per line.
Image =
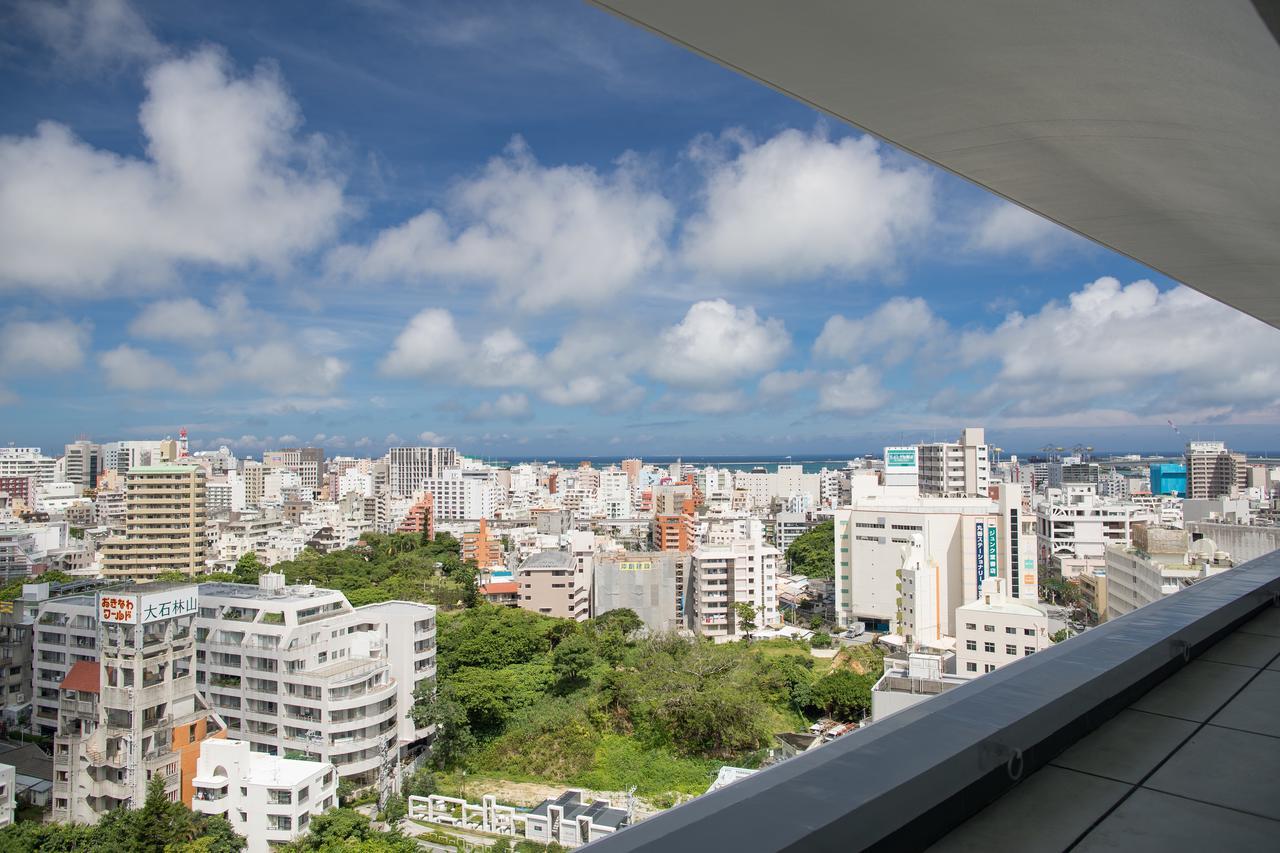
812,462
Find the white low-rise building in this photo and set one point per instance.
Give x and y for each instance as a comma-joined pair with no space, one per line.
8,796
734,566
266,799
996,630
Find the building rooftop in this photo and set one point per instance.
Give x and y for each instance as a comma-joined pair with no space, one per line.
600,811
548,560
253,592
504,588
165,469
83,676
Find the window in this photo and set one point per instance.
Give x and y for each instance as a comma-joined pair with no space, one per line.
1029,632
1028,650
970,626
1011,650
1008,630
990,667
990,648
971,645
971,667
991,628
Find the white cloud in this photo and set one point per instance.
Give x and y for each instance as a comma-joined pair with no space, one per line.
41,347
93,34
133,369
717,343
429,342
543,235
1133,347
506,407
189,321
1009,229
801,205
783,383
426,437
854,392
226,182
276,366
363,441
891,333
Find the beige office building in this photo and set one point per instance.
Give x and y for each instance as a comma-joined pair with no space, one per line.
164,524
1213,471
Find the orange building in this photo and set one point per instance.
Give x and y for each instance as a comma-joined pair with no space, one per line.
482,547
675,532
422,516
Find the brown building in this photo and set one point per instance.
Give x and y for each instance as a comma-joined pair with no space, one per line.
164,524
421,517
482,547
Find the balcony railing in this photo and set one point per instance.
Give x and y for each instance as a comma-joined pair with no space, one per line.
906,781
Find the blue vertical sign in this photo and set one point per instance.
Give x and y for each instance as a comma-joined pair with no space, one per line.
979,539
993,552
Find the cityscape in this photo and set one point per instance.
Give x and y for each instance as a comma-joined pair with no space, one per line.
513,427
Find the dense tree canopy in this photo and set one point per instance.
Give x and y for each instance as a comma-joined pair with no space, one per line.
158,827
813,553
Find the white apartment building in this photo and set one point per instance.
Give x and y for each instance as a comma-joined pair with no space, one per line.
135,714
997,630
734,565
1074,527
27,462
297,671
614,494
410,467
966,542
66,632
460,494
956,469
1137,577
267,799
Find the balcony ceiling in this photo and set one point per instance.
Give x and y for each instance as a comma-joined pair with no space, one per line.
1149,126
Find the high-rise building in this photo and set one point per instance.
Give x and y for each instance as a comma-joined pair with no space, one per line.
82,461
1169,479
164,524
958,468
1213,471
460,494
27,462
482,547
306,462
411,467
736,565
964,541
135,713
421,517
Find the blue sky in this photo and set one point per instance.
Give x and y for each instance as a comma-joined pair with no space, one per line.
533,228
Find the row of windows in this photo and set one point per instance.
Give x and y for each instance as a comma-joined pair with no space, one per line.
990,648
973,626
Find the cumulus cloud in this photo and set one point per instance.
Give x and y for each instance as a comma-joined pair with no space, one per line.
227,182
891,333
93,34
542,235
854,392
507,407
783,383
717,343
1130,347
426,437
191,322
54,346
429,342
276,366
801,205
715,402
133,369
1006,229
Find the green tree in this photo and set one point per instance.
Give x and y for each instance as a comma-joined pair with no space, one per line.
502,845
453,738
843,695
1059,635
248,569
813,553
821,640
624,619
572,660
746,613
